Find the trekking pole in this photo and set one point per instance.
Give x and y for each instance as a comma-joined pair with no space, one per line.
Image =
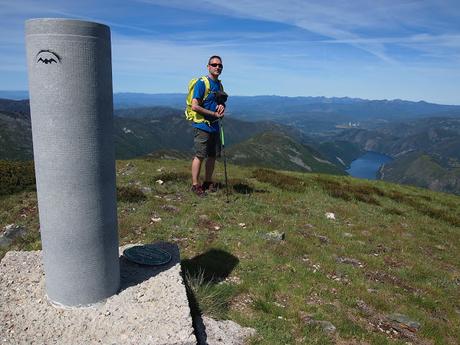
222,142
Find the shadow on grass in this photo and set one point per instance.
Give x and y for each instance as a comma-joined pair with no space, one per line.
215,265
202,275
241,186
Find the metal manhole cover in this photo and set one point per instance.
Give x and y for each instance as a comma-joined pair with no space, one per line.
147,254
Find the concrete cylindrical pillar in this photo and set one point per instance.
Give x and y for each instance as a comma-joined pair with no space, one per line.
71,103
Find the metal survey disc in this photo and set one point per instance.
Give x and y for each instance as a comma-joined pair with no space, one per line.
147,254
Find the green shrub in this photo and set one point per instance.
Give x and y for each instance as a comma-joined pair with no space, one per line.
350,190
282,181
130,194
173,177
16,176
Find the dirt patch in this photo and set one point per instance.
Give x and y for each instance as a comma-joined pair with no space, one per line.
374,321
382,277
242,303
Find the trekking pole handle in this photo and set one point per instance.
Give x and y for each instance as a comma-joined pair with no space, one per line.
222,137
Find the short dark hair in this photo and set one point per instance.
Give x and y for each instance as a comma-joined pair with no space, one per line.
214,57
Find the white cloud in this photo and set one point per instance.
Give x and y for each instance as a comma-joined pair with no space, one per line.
358,23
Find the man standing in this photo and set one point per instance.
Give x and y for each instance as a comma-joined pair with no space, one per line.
206,102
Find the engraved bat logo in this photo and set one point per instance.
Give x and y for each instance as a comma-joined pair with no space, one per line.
47,57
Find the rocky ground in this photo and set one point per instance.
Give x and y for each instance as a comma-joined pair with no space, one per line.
151,308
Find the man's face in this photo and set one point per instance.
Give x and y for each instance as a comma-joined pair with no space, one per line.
215,67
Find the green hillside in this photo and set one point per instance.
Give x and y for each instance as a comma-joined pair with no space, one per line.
280,151
422,170
341,153
385,270
15,137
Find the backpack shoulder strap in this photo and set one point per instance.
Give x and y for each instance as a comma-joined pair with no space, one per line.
207,87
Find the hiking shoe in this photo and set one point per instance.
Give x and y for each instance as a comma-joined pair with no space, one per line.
198,190
210,186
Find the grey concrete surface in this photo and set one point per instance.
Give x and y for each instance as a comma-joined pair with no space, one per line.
150,308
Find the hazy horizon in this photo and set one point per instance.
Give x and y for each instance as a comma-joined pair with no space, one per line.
267,95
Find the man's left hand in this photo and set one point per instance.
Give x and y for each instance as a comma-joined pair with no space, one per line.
220,109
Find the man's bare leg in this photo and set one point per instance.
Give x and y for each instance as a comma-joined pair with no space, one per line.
209,168
196,168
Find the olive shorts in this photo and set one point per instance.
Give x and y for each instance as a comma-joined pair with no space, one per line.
206,144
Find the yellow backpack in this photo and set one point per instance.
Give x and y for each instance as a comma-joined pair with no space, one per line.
189,113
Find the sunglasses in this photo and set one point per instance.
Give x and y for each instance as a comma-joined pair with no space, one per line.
216,65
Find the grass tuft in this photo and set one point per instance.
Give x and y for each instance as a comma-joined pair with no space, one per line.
130,194
208,298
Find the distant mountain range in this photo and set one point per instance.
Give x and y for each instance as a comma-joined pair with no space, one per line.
164,132
295,110
301,141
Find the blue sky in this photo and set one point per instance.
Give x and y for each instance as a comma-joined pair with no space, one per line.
378,49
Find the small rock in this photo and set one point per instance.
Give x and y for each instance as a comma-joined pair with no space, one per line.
274,236
243,225
405,320
323,239
222,332
330,215
363,307
440,247
170,208
11,232
306,318
350,261
160,182
146,190
347,234
155,220
326,326
203,217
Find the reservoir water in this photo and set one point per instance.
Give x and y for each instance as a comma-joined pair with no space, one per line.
368,165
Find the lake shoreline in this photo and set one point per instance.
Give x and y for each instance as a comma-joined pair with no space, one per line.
368,165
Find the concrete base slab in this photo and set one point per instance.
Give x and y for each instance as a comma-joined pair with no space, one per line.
150,308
